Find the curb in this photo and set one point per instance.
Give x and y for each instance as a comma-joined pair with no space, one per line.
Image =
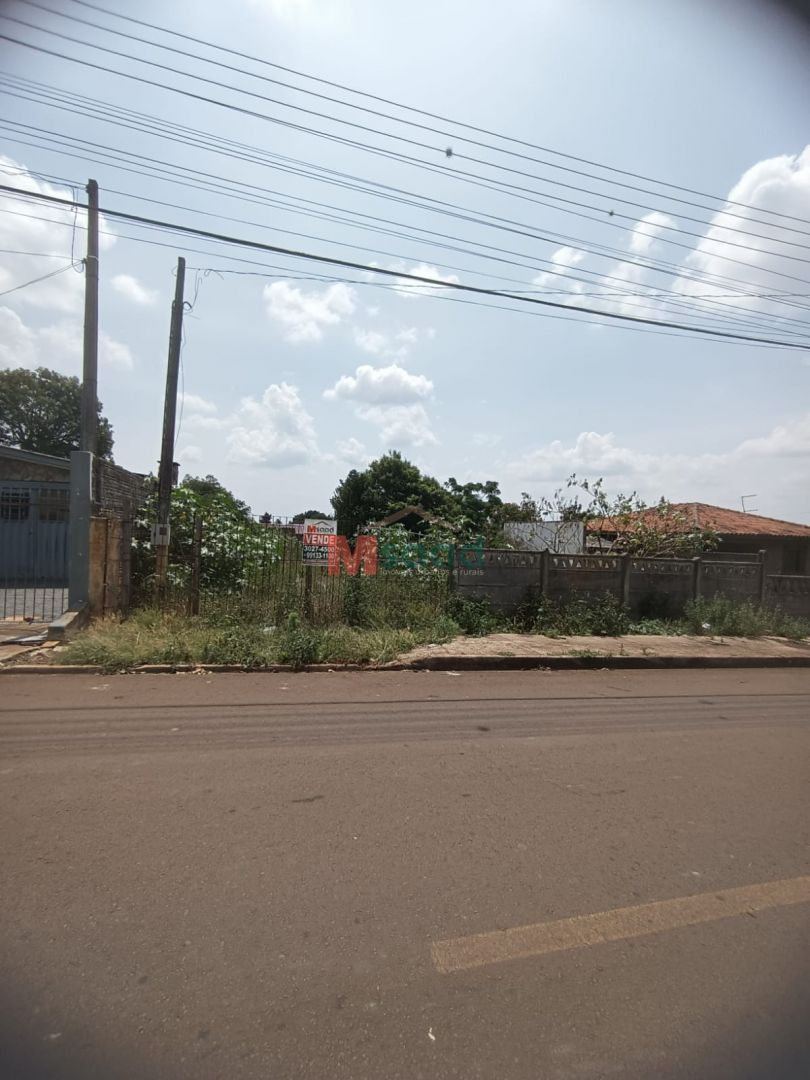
439,663
70,620
601,663
188,669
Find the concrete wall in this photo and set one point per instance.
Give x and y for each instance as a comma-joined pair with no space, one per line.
789,592
783,555
504,578
657,588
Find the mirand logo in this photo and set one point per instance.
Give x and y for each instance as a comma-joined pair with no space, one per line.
371,554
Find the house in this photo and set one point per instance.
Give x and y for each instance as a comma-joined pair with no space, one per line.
412,518
560,537
786,544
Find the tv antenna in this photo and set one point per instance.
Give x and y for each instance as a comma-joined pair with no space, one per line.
753,509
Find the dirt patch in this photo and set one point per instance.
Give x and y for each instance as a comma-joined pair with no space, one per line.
632,645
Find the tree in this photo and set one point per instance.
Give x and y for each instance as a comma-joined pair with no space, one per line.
41,410
387,484
234,548
475,508
208,494
625,524
392,482
298,519
525,511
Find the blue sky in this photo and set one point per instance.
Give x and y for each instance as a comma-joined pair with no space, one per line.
289,381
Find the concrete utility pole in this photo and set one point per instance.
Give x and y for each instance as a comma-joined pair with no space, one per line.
165,473
89,422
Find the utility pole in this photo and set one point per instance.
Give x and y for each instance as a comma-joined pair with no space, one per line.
89,424
165,473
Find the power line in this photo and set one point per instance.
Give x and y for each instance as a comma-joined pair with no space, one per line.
471,178
33,254
341,120
399,275
455,123
331,173
36,280
596,249
747,319
680,299
435,293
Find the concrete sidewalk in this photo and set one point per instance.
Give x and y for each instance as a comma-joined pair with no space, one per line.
632,650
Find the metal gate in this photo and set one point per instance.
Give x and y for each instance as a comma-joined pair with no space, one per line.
34,524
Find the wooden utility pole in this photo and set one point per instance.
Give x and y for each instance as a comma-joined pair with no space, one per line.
89,420
165,473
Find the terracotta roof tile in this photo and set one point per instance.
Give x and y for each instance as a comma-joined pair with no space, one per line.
726,522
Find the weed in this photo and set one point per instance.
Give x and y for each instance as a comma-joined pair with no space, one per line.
296,644
723,617
475,617
655,626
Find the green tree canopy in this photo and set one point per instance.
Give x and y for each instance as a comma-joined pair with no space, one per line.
387,484
298,519
41,410
392,482
207,494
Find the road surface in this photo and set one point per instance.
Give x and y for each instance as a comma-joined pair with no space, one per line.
511,876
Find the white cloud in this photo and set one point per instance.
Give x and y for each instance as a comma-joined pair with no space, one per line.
372,341
289,11
391,346
190,455
131,289
645,231
556,279
197,404
786,440
305,314
199,421
274,430
780,184
487,440
46,230
720,478
400,425
352,451
58,346
565,258
408,288
112,353
390,385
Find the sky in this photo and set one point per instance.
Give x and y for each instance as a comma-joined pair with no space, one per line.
294,372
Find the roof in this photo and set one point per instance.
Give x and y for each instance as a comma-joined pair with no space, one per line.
33,457
726,522
406,511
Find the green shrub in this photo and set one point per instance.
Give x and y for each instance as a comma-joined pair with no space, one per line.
296,643
581,616
475,617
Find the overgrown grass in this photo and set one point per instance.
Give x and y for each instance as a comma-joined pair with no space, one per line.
722,617
153,637
244,639
604,616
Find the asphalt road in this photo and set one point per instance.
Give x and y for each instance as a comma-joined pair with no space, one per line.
515,876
